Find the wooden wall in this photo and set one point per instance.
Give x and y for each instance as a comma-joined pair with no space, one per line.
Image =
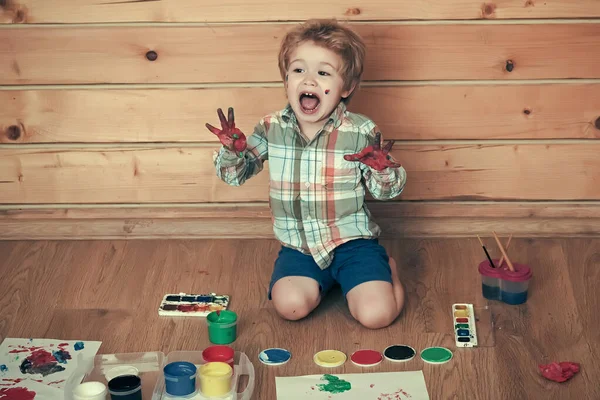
495,107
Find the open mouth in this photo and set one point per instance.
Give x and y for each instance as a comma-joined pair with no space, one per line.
309,102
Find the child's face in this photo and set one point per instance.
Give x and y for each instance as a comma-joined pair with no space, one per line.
314,86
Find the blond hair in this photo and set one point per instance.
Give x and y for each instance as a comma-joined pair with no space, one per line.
331,35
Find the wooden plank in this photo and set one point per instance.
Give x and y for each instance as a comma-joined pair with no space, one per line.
546,210
545,111
521,219
210,54
186,175
86,11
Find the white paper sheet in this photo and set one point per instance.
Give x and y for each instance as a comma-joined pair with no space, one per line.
367,386
44,364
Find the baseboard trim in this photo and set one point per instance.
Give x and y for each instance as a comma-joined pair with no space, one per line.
243,220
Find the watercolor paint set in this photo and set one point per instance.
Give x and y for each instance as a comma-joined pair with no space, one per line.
192,305
465,333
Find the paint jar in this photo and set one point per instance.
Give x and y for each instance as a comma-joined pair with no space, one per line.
222,326
125,387
490,280
180,378
515,285
215,378
504,285
219,353
90,391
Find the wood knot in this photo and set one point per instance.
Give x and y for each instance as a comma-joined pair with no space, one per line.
352,11
529,3
510,65
488,9
151,55
597,123
527,111
13,132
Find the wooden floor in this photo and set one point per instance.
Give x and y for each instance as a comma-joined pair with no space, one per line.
110,291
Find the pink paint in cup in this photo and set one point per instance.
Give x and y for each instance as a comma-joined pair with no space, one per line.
219,353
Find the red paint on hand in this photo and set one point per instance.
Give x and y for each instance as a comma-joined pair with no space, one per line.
559,372
374,156
230,136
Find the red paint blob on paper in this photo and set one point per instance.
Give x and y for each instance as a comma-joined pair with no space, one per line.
17,393
23,349
371,385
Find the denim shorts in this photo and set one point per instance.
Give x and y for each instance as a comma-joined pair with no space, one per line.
354,262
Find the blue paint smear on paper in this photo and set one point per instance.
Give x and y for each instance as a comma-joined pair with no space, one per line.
79,346
275,355
3,368
61,356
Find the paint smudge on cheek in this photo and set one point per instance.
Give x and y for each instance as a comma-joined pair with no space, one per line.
326,91
16,394
335,385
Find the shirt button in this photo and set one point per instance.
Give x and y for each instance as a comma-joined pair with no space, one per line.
307,184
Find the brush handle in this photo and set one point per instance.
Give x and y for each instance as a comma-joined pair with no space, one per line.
510,264
507,245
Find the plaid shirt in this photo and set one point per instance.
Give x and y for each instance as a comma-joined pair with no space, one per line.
317,198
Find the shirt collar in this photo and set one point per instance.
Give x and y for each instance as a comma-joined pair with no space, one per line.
336,117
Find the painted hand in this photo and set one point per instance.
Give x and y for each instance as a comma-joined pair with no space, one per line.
374,156
230,136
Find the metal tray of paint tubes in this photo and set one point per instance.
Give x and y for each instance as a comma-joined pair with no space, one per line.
187,375
125,376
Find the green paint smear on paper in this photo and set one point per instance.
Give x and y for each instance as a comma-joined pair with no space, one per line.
335,385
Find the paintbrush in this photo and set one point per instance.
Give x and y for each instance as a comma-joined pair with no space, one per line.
510,264
507,245
486,253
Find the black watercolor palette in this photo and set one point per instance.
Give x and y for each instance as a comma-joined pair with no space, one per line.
192,305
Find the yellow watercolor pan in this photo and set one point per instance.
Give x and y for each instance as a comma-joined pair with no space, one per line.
329,358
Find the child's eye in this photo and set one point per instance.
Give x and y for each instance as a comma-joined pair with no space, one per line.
297,70
323,73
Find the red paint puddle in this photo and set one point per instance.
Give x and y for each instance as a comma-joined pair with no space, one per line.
16,394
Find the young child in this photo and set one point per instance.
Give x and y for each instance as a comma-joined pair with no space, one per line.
322,158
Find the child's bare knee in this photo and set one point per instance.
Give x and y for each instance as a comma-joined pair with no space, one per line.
293,304
375,316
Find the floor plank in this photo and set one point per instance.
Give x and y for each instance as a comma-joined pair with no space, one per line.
110,291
